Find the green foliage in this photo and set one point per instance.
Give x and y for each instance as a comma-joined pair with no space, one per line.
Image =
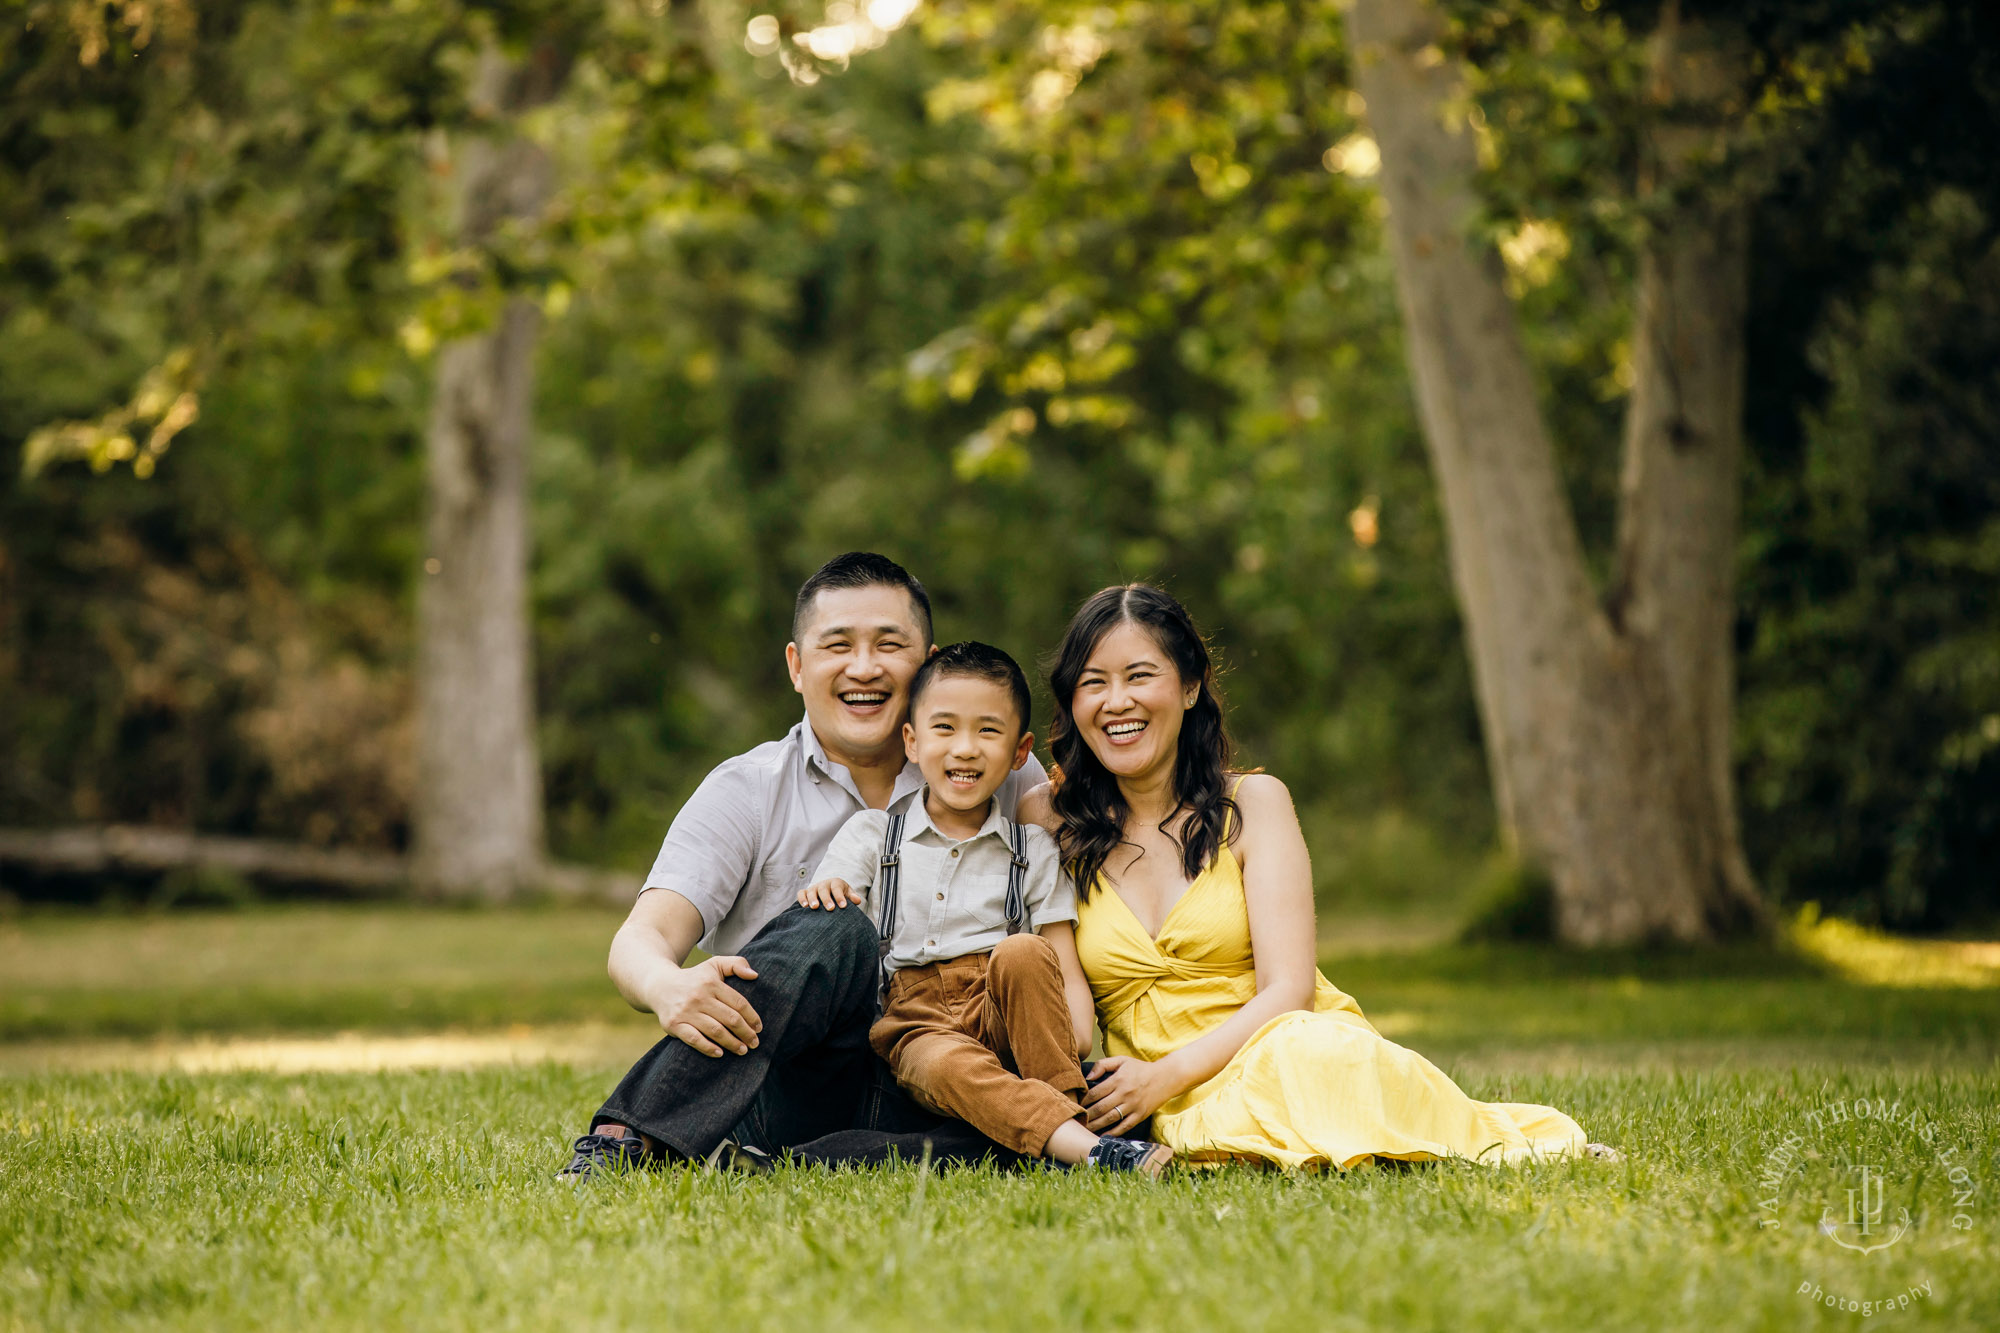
1871,718
1512,902
1034,298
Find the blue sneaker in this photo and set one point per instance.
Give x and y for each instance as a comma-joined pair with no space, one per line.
1142,1155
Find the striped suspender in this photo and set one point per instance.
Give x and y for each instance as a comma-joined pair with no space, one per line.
888,880
1017,884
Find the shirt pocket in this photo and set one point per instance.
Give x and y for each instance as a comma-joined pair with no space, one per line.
784,879
984,907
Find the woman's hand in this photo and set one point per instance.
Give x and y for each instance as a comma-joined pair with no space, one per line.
1124,1092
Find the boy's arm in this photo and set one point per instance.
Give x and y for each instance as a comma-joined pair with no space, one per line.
1061,936
852,858
1052,905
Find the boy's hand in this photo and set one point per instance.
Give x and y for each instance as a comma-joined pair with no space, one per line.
828,893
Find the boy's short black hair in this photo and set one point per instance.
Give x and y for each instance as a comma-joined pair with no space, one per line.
982,661
861,569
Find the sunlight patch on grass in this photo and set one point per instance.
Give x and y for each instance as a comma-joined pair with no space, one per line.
1876,959
577,1045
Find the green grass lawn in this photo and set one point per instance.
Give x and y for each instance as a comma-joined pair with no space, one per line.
423,1197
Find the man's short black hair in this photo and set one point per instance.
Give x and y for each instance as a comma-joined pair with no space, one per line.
981,661
861,569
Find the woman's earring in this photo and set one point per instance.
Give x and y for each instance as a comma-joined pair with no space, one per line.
1188,702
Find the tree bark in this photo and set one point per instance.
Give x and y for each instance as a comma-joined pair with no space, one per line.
478,809
1600,718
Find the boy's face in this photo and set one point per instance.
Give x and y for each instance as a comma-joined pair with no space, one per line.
966,737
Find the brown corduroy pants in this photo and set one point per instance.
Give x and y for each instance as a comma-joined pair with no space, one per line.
986,1037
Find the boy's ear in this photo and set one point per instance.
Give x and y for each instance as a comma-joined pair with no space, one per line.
1024,749
909,742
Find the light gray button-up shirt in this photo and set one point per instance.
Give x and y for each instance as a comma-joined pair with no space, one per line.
743,845
953,895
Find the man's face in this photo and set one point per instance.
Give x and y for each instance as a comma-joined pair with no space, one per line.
853,664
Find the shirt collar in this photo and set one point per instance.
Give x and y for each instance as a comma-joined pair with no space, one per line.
907,781
996,825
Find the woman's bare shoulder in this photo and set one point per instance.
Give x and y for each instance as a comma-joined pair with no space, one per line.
1038,807
1260,792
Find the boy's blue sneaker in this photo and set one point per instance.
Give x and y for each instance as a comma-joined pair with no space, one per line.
1142,1155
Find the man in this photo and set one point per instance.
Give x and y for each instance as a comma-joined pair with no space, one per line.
766,1042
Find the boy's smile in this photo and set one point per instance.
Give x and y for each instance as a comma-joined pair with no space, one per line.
965,734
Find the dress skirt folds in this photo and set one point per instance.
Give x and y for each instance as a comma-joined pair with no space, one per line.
1308,1088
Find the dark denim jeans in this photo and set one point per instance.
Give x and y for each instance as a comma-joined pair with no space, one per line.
811,1086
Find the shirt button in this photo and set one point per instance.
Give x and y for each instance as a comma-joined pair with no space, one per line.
954,852
930,944
940,897
802,872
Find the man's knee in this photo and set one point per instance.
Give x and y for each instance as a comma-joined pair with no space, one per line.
820,932
802,943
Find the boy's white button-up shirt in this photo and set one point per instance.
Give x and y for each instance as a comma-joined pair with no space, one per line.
953,894
744,844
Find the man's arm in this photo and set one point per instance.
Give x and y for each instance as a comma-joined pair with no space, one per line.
692,1003
707,857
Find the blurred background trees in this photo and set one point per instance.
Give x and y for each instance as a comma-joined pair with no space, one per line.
1030,297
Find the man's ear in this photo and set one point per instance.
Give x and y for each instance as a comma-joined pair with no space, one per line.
1024,749
795,667
933,652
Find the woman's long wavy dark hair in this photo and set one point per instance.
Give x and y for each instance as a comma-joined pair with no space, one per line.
1087,799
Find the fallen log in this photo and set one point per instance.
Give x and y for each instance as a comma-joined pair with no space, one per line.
137,849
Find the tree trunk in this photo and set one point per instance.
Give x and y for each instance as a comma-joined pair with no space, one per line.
478,808
1606,725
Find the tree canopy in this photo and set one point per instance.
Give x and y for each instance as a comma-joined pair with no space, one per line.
1032,298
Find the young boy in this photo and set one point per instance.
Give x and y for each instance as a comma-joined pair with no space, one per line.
984,1020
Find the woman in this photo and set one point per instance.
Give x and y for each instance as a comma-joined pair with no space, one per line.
1195,927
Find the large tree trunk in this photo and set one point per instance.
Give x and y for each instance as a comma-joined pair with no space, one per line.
1607,724
478,809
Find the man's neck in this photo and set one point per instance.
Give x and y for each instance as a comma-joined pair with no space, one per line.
958,825
874,774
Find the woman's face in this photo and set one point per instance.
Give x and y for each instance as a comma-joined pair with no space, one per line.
1129,702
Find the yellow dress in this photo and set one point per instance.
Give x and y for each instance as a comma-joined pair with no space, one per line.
1308,1087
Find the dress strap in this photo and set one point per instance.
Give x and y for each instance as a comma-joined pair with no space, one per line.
1234,817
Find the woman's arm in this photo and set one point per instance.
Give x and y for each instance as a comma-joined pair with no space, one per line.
1277,887
1038,807
1061,935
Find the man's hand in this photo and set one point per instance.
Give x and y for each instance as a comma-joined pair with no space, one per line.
698,1006
828,893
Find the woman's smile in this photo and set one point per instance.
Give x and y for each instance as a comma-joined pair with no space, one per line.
1125,731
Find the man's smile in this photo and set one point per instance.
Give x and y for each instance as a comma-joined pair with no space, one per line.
864,701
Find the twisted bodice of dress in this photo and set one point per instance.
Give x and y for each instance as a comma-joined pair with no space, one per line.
1156,994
